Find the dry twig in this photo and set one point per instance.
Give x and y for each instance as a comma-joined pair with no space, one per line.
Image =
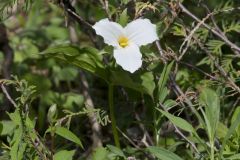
220,69
221,35
95,126
8,96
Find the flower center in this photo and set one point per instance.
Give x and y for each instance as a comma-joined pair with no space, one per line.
123,41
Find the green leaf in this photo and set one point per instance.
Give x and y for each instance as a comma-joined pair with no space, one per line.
68,155
15,117
7,127
123,20
147,81
215,46
221,130
233,26
163,80
142,82
179,122
17,145
88,59
67,134
231,130
163,95
234,117
116,151
210,100
163,154
70,100
169,103
236,156
100,154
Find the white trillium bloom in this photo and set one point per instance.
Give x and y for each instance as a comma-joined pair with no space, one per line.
126,41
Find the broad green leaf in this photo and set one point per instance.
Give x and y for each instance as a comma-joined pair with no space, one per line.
88,59
116,151
7,127
163,154
221,130
163,80
234,117
147,81
67,134
141,82
15,117
179,122
123,20
72,98
164,94
235,157
17,145
66,155
169,103
231,130
100,154
210,100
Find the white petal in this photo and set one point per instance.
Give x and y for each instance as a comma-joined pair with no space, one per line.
110,31
129,58
141,32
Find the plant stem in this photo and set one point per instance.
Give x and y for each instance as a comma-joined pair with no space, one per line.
113,120
212,150
155,125
52,141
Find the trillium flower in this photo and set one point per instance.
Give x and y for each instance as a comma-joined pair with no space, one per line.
127,40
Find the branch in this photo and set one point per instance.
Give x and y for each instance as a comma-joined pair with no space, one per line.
220,69
199,70
187,40
221,35
86,26
96,128
8,57
105,5
8,96
161,52
178,131
79,19
142,127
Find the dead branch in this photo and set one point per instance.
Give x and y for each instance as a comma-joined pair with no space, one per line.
221,35
95,126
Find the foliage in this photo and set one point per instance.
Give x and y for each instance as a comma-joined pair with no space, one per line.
183,103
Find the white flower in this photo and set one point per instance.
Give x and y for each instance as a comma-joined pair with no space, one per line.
126,41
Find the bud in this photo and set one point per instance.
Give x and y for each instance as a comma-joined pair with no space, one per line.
52,113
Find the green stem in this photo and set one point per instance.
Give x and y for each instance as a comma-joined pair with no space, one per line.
113,120
212,150
155,126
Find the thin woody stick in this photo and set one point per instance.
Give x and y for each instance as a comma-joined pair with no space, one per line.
213,30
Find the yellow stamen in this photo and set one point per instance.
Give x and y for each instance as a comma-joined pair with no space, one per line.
123,41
